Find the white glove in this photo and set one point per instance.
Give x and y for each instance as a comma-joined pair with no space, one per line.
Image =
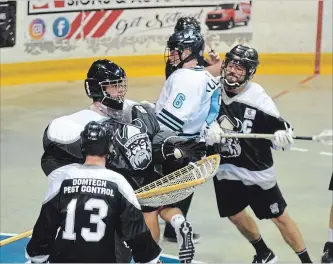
283,138
149,105
213,134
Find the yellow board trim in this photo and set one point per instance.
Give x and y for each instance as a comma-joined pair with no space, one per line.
147,65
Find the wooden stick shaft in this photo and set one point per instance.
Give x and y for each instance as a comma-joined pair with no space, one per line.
15,238
176,187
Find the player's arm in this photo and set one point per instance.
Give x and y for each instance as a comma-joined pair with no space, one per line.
59,150
214,69
45,230
183,100
133,228
273,123
213,63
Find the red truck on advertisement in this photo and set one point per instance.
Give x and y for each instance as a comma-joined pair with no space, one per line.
226,16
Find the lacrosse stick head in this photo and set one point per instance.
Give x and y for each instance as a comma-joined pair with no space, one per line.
178,185
325,137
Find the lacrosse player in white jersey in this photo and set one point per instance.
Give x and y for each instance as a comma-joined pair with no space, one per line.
246,176
189,99
212,65
188,103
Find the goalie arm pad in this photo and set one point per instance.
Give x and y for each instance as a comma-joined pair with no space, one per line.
167,146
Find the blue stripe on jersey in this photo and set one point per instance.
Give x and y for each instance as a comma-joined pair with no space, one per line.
189,135
215,103
167,123
172,117
197,68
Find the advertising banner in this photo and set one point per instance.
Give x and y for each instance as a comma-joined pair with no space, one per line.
135,27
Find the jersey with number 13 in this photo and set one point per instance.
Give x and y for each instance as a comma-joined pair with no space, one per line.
189,100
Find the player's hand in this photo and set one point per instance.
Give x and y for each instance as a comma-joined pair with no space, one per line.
214,134
148,105
181,147
283,138
214,57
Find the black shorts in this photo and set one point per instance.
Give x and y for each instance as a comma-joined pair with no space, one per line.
233,196
148,209
331,184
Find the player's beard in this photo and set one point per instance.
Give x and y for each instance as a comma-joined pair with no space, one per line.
141,159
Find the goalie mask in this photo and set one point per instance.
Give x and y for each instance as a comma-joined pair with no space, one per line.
187,23
239,67
94,139
179,43
106,82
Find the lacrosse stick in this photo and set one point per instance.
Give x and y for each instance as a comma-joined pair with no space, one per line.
169,189
178,185
325,137
15,238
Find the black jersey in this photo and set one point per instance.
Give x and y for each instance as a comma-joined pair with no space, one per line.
89,204
131,154
249,160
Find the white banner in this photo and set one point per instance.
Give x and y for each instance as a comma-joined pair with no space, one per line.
104,32
56,6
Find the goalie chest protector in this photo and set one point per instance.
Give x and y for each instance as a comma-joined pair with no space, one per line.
131,155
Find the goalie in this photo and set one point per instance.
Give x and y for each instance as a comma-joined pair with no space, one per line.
133,130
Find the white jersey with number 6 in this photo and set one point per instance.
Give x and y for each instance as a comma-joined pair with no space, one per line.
189,100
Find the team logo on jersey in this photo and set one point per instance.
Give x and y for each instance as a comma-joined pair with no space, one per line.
250,113
136,144
231,148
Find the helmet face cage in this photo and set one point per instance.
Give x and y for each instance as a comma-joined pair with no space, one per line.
170,58
117,91
250,69
185,43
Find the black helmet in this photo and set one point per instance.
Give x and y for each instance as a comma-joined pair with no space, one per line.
187,22
244,56
181,40
101,75
94,139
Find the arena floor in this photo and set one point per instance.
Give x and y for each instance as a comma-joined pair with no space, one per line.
303,173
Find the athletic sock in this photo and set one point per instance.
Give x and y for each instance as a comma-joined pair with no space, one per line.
260,245
304,256
330,235
176,221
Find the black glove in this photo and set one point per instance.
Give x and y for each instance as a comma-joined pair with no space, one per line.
176,147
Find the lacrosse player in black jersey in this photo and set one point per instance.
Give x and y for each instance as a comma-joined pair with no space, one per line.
246,175
89,203
327,256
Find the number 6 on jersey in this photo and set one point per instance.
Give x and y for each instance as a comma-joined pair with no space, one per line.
179,100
